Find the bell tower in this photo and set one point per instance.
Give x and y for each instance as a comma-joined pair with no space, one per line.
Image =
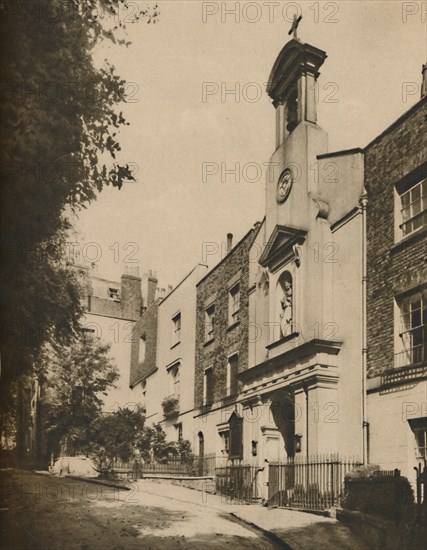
291,177
292,86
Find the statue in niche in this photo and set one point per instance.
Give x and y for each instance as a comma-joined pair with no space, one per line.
286,313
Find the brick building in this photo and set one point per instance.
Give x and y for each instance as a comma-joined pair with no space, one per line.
222,333
144,344
396,182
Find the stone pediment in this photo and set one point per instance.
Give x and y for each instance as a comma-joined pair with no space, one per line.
295,59
280,247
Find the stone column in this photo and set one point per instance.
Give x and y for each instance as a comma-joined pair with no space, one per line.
280,124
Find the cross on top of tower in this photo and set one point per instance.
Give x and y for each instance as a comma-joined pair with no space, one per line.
295,24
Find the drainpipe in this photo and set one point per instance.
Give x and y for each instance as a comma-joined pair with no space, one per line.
365,424
307,421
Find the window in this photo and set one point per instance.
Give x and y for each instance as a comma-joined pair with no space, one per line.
413,330
232,370
201,444
421,443
236,436
178,428
174,380
113,294
208,387
209,323
176,329
225,440
141,356
234,304
414,208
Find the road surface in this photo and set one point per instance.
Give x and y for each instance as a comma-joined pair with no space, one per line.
39,512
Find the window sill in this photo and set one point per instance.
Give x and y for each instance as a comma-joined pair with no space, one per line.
232,326
409,239
207,342
176,344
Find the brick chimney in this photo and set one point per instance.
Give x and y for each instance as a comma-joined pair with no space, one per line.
131,296
151,287
424,81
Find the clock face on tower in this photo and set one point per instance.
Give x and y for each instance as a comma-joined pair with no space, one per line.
284,185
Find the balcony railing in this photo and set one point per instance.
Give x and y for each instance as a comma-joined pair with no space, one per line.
409,357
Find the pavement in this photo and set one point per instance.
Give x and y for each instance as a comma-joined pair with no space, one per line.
292,529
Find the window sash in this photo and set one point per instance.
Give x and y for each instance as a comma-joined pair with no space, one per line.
208,389
232,371
414,208
209,323
421,443
234,303
176,328
413,333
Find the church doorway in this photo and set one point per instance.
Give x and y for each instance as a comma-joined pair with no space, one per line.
282,413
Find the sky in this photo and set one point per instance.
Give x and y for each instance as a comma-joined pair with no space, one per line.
199,151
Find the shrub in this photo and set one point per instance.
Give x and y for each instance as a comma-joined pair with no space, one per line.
386,496
170,404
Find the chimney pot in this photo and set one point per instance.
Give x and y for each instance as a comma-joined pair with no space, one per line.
229,242
424,81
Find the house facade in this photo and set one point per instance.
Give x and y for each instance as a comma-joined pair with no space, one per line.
396,181
221,351
163,368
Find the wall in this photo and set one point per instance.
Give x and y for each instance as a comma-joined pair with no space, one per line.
392,441
147,326
117,333
388,159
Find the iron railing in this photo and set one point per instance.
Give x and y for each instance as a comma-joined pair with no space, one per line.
239,482
313,483
192,467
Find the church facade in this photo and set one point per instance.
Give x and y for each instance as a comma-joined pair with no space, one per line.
303,387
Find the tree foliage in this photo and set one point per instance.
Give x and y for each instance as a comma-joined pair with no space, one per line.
75,379
60,122
114,436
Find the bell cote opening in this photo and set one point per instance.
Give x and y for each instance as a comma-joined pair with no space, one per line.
292,86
